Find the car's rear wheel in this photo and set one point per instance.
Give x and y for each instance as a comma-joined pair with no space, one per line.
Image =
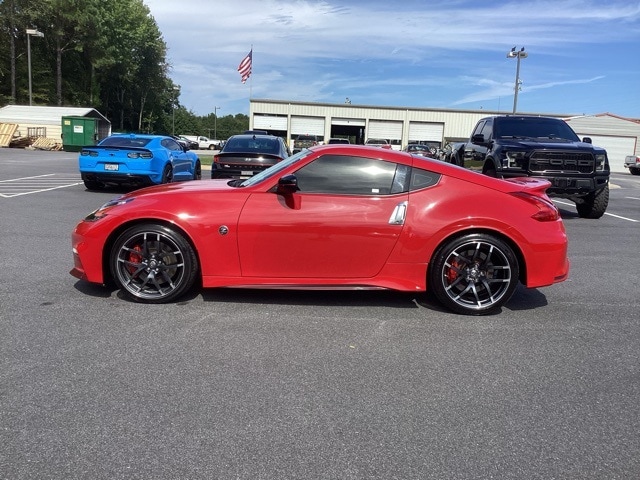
475,274
153,263
197,171
167,174
634,171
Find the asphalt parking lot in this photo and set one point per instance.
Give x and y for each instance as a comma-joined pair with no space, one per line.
250,384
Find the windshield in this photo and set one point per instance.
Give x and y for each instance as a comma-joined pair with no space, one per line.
274,170
534,128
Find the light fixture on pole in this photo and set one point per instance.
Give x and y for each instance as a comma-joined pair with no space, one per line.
517,54
173,110
35,33
215,122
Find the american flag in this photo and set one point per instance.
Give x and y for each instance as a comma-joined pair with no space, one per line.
245,66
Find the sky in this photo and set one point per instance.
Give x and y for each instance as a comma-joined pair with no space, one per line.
583,55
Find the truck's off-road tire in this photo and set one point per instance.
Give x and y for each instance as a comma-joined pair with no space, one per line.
634,171
594,205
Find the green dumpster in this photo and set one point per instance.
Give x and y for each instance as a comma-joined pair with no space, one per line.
77,132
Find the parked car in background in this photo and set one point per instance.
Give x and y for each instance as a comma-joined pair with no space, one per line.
333,216
305,141
137,160
378,142
632,162
418,149
204,143
344,141
192,144
453,152
245,155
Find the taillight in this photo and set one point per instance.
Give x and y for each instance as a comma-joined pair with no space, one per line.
216,159
547,211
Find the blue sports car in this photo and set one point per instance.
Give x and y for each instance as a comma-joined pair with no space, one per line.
137,160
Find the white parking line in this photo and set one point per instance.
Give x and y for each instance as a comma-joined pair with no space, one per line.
609,214
17,187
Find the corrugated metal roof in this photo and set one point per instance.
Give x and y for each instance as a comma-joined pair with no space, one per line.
45,115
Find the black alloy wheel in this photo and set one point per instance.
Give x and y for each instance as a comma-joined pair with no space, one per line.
475,274
153,263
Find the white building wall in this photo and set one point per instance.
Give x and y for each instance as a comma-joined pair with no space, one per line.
458,124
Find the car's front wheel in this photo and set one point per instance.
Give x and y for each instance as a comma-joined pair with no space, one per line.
594,204
474,274
153,264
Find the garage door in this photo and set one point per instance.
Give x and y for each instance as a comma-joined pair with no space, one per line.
307,126
426,132
385,129
617,148
270,122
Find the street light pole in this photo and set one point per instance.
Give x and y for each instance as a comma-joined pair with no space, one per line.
34,32
517,54
173,110
215,122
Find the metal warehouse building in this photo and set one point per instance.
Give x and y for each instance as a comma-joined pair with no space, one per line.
436,127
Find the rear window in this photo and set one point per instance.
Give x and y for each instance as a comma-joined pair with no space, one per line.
252,144
125,142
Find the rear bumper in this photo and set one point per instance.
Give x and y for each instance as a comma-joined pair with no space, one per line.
133,179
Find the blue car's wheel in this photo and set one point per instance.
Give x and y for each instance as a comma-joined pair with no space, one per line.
197,171
167,174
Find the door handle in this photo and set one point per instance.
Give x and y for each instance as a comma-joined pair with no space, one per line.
399,214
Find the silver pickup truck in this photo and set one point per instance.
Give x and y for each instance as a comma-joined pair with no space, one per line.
632,162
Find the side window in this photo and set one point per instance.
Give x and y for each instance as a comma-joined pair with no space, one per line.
478,128
347,175
170,144
487,129
423,179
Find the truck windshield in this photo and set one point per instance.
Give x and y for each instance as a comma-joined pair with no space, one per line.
547,128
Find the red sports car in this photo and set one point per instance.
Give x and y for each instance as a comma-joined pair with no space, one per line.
333,216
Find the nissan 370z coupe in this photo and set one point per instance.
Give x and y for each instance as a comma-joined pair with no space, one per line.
332,216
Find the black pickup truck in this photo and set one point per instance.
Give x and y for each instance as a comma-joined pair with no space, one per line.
508,146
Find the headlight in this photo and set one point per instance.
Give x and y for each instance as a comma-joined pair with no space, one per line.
513,160
102,211
601,161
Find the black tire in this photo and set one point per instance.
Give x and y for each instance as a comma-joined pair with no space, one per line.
153,264
212,147
634,171
594,204
197,171
474,275
167,174
93,185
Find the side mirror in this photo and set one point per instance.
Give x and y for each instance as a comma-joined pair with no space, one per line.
586,139
287,185
478,139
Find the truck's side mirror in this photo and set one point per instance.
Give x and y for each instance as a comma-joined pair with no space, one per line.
587,140
478,138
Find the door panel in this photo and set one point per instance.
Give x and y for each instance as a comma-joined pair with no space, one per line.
317,235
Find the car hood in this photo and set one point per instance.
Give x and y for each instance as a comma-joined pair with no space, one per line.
554,144
191,187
